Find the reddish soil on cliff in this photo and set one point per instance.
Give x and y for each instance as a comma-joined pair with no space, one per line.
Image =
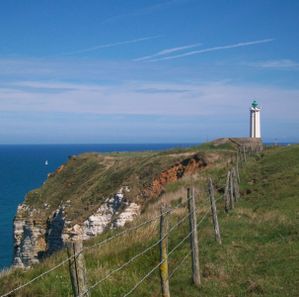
186,167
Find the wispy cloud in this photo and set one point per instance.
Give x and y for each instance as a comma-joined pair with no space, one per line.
167,52
154,90
277,64
108,45
212,49
145,10
134,110
144,98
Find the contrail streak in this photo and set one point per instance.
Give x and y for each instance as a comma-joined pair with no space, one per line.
167,51
107,45
212,49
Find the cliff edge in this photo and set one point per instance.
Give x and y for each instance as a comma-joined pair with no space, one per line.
95,192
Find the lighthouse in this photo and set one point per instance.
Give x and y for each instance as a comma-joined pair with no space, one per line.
255,120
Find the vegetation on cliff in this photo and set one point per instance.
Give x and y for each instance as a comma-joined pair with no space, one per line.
85,181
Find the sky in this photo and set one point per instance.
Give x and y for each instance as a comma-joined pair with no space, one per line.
137,71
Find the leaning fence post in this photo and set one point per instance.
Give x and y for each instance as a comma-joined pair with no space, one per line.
244,152
193,237
164,252
231,190
214,212
237,168
236,185
227,193
77,268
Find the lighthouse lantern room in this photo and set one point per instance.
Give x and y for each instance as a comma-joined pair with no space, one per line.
255,121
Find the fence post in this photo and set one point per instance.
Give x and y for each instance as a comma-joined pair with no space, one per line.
244,152
231,190
227,193
237,168
77,268
164,252
193,238
214,212
236,185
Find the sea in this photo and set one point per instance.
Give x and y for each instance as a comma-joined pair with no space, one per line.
23,168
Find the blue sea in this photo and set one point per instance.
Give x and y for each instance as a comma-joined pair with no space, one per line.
22,168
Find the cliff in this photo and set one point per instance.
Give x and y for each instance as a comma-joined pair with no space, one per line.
94,192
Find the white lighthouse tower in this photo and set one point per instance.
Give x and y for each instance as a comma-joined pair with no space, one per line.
255,120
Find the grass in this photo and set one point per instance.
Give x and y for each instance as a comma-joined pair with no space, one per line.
259,255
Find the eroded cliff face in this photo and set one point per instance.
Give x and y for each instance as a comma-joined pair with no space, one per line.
29,237
114,212
39,232
187,167
34,240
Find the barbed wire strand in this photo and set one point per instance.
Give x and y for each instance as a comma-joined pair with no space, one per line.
171,252
143,279
134,257
36,278
179,265
152,270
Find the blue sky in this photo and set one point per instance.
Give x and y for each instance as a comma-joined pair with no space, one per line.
147,71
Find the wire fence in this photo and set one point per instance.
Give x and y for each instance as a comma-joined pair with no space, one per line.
169,254
96,245
136,256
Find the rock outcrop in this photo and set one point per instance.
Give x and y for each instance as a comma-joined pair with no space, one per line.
29,238
33,241
54,232
114,212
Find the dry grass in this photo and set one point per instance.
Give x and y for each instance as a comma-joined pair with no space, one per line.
273,216
6,271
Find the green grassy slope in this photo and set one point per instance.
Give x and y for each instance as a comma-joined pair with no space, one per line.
259,255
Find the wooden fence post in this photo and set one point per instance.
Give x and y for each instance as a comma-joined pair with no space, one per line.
227,193
244,152
163,252
237,168
236,185
214,212
77,268
193,238
231,190
240,153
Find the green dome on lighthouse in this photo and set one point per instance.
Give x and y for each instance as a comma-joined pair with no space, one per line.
254,104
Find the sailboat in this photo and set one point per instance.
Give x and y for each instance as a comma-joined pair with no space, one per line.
46,163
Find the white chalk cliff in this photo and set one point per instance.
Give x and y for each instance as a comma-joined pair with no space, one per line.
33,240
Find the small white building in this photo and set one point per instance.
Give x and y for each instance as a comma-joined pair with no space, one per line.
255,121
